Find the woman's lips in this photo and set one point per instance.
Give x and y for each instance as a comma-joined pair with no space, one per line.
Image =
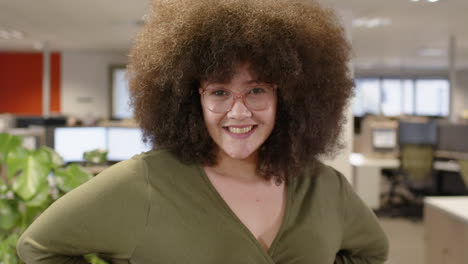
240,131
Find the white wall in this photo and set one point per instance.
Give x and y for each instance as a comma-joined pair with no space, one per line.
85,83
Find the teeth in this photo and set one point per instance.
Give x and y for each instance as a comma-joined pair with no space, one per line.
238,130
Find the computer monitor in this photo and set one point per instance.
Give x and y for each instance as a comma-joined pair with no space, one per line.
418,132
453,137
27,121
124,143
72,142
384,138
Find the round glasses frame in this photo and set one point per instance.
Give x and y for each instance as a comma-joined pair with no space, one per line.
234,96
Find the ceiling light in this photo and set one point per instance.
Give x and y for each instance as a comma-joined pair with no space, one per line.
11,34
38,45
371,22
431,52
432,1
4,34
16,34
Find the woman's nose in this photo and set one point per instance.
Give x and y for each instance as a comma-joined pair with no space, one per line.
239,110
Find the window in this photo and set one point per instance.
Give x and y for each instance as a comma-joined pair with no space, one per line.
367,97
120,94
432,97
393,97
408,96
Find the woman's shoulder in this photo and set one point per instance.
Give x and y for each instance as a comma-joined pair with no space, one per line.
161,160
140,162
156,156
319,177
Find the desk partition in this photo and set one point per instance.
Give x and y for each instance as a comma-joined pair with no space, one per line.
453,138
418,133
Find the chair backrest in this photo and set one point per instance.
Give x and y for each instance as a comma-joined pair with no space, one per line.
416,161
464,170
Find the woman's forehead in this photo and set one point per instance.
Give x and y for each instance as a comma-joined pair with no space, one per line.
241,70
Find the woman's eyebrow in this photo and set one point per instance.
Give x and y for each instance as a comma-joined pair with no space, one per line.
259,82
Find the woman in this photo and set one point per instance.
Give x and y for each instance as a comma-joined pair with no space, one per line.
239,99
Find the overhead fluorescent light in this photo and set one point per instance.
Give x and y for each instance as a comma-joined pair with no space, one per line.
11,34
371,22
17,34
432,52
432,1
4,34
38,45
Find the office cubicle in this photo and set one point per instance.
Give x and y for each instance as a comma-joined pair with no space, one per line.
452,146
453,138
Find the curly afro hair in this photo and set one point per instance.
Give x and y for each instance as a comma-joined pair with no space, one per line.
299,47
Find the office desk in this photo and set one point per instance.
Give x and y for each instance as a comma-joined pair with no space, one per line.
448,178
367,177
451,155
449,165
446,229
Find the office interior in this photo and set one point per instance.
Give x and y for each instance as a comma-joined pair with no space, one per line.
406,153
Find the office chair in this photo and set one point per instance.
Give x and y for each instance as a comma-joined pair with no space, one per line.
417,167
464,171
410,183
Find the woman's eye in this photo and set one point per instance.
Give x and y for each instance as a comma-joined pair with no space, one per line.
219,93
257,90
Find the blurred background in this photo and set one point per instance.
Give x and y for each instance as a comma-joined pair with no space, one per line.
63,87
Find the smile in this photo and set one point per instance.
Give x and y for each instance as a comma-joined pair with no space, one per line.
240,130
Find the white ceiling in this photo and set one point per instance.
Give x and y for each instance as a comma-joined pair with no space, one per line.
111,25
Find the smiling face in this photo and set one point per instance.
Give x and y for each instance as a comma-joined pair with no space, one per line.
240,131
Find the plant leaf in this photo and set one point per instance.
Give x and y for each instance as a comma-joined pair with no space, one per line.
94,259
71,177
3,188
7,143
33,176
16,161
9,215
96,156
8,250
56,160
41,199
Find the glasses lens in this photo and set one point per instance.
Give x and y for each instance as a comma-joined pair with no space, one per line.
220,100
217,100
259,98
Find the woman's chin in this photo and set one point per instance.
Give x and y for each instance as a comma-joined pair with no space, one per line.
240,155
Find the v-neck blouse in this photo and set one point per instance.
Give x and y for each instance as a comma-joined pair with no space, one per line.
155,209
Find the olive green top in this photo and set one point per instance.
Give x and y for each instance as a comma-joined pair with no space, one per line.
155,209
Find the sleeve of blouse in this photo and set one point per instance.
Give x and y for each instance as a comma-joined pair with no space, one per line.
364,241
107,216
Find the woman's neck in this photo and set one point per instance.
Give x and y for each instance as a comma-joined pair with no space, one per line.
244,170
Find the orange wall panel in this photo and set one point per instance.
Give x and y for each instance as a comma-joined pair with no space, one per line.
21,83
55,75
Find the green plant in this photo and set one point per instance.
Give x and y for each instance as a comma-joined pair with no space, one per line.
98,156
30,180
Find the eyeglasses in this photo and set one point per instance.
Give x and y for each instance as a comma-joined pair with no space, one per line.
220,100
